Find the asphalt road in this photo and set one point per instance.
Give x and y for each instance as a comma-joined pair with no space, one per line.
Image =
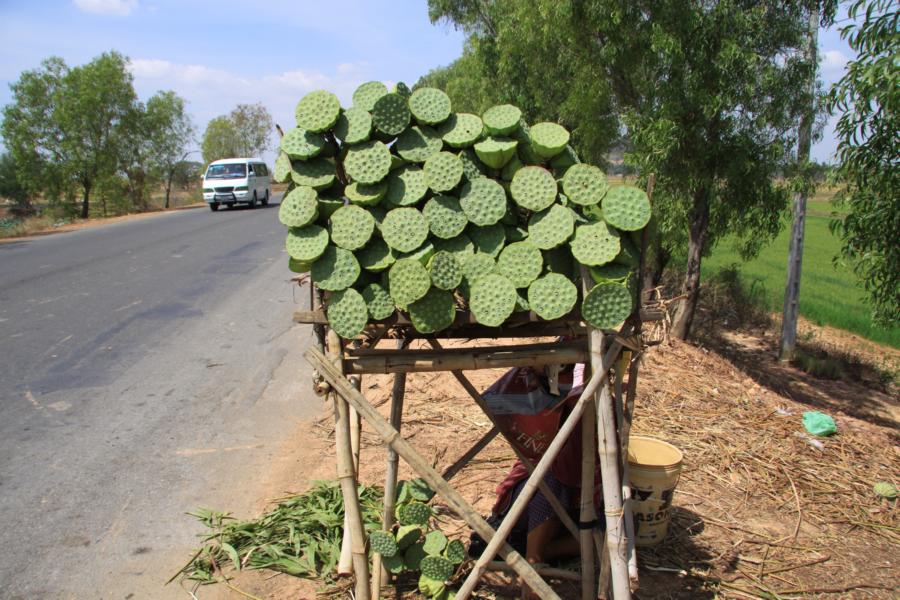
146,368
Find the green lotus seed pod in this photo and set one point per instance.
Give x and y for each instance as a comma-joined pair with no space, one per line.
351,227
433,312
472,167
548,139
443,171
419,490
317,111
408,281
299,208
885,489
368,162
317,173
402,89
435,542
347,313
402,493
551,228
477,265
445,271
606,305
368,94
445,216
328,205
418,144
489,239
391,114
460,246
366,194
282,172
559,260
298,266
413,513
394,564
429,105
414,555
455,552
378,301
521,263
354,126
585,184
626,207
533,188
564,160
595,244
337,269
376,256
552,296
511,168
437,568
502,119
302,144
422,254
306,244
407,535
496,151
629,254
522,304
383,543
611,273
527,155
397,162
492,299
483,200
461,130
515,234
430,587
404,229
406,186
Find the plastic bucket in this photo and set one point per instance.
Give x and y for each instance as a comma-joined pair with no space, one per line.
653,470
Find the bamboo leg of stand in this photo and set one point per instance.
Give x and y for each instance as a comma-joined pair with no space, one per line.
471,453
588,512
415,460
628,411
346,558
355,425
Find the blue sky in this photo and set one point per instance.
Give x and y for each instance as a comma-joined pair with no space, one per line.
219,53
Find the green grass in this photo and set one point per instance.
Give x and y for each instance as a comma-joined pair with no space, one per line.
829,295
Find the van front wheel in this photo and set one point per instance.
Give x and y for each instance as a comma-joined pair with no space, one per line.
252,201
214,206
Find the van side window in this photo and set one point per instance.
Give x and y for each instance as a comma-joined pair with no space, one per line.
251,169
263,169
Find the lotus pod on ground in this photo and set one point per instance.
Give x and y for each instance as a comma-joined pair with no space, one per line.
317,173
533,188
435,542
299,207
483,200
298,266
477,265
489,239
383,543
521,263
402,495
460,246
607,305
433,312
402,89
443,171
418,144
407,535
404,229
413,513
585,184
595,244
473,168
366,194
347,313
354,126
461,130
551,228
328,205
302,144
885,489
552,296
391,114
335,270
406,186
368,162
429,587
368,94
611,273
548,139
511,168
317,111
351,227
502,119
408,281
394,564
492,299
429,105
445,271
414,555
455,551
282,171
495,152
626,207
419,490
378,301
437,568
306,244
445,216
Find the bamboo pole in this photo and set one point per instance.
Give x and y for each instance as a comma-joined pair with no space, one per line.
415,460
471,453
550,572
588,512
345,563
624,436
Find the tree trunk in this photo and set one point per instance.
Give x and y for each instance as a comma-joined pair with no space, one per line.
684,316
86,202
169,187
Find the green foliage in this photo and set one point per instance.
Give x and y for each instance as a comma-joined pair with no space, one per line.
245,132
11,188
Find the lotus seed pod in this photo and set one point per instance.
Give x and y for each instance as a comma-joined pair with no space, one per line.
397,162
511,168
496,151
394,564
366,194
489,239
406,186
376,256
611,273
548,139
317,111
445,216
585,184
414,555
551,228
337,269
564,160
461,130
354,126
404,229
460,246
298,266
368,162
455,552
521,263
282,172
885,489
559,260
527,155
595,244
437,568
552,296
419,490
515,234
606,305
402,89
407,535
445,271
472,167
429,105
302,144
383,543
433,312
629,254
402,496
408,281
368,94
533,188
492,299
522,304
299,207
391,114
422,254
626,207
443,171
306,244
502,119
483,200
378,301
347,313
317,173
430,587
418,144
414,513
477,265
328,205
351,227
435,542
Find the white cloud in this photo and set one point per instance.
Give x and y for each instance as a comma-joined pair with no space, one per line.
107,7
832,65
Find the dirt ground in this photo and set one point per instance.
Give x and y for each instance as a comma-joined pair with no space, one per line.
762,510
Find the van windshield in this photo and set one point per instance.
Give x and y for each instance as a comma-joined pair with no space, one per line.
226,171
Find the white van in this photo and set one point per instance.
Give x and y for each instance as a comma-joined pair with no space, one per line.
233,181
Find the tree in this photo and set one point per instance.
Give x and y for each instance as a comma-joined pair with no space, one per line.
246,131
868,98
11,188
219,140
171,133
